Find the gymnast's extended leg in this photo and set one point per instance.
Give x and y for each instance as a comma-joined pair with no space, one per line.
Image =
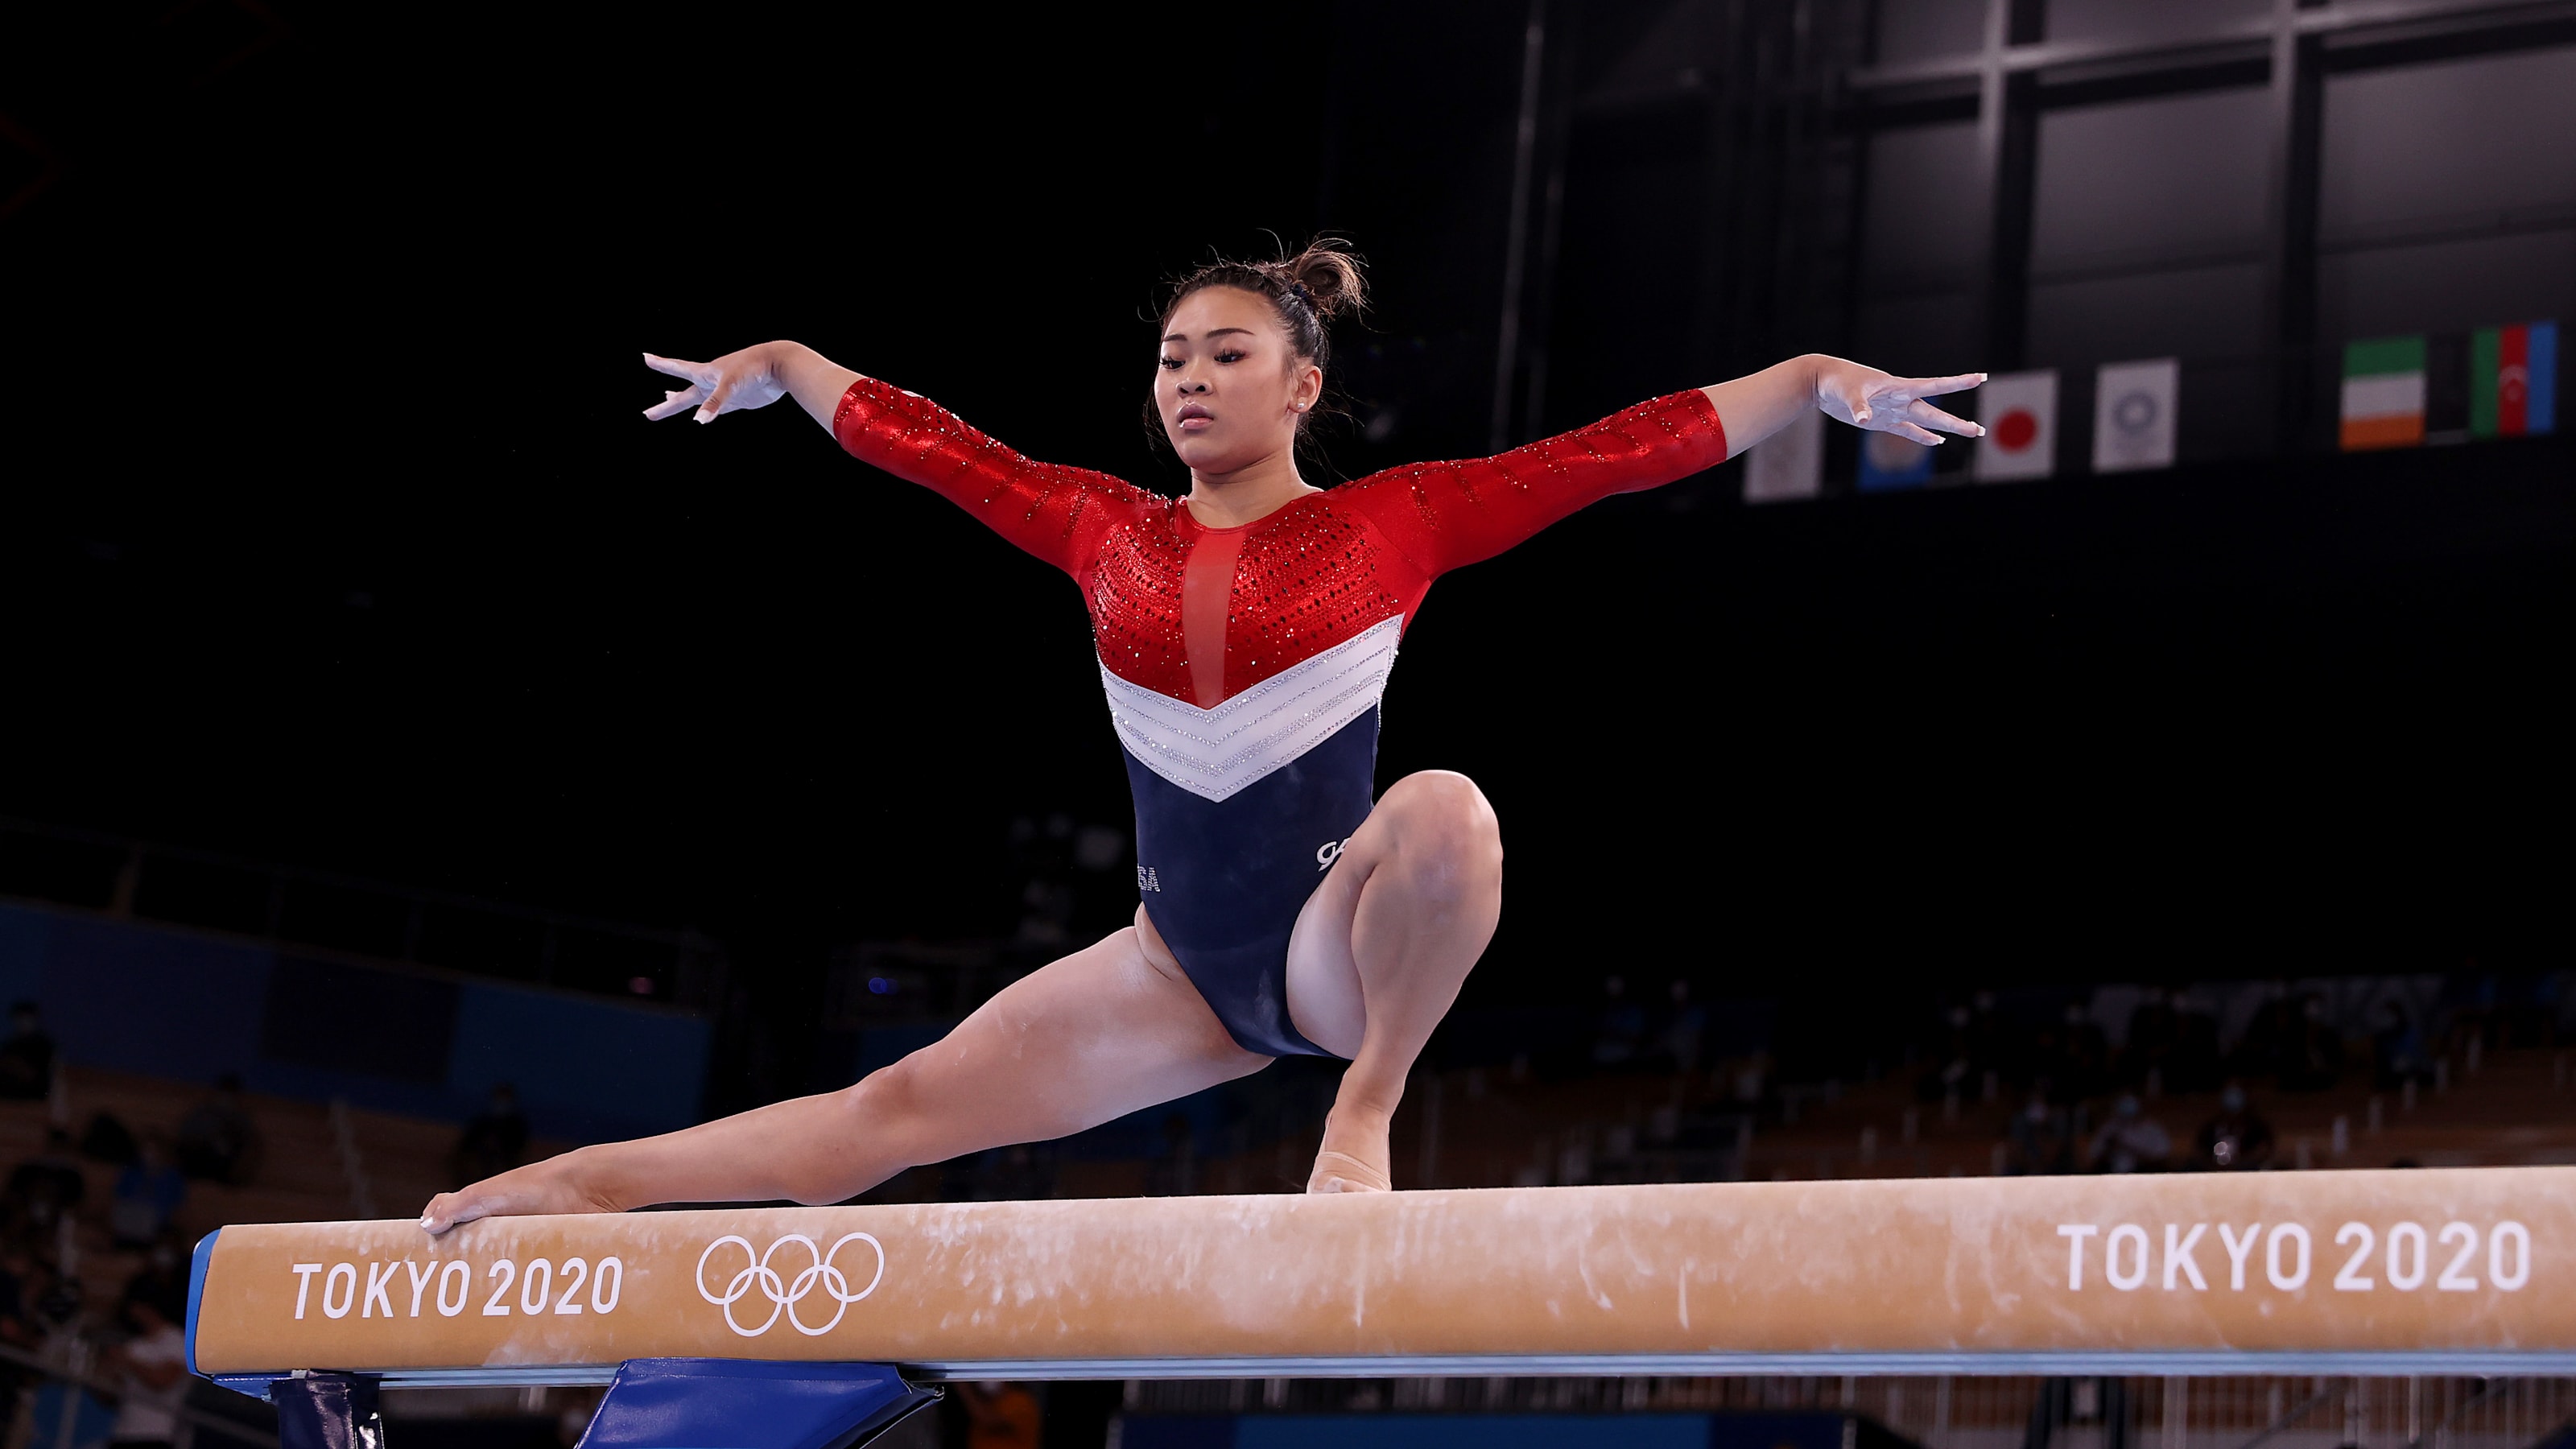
1381,950
1103,1032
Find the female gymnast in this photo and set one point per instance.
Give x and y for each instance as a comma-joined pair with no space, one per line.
1245,633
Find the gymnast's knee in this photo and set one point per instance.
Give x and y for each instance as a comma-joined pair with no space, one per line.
886,1109
1445,829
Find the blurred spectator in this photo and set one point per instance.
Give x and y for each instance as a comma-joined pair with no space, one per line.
2312,1054
163,1278
2194,1065
151,1370
50,1183
2396,1049
18,1327
217,1140
1176,1172
1994,1051
1622,1032
494,1140
2039,1140
27,1057
2079,1058
107,1139
1685,1027
52,1301
2155,1031
2271,1034
2237,1139
1000,1416
1951,1075
2131,1141
147,1195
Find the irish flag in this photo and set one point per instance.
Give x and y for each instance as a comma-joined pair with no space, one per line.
2383,393
2513,380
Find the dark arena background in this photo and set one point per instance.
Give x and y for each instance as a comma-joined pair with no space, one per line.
413,762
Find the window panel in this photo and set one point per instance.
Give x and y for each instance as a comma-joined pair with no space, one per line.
2473,143
1925,218
2174,180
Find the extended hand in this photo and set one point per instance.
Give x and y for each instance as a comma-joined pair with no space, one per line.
731,383
1868,398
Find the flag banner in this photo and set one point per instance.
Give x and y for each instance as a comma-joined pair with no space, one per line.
1788,464
1889,462
2383,393
2513,381
2019,410
2133,414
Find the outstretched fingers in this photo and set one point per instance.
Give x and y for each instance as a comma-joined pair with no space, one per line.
1924,415
675,403
1935,386
698,375
692,371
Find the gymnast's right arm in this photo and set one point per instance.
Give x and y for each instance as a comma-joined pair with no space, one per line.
1052,511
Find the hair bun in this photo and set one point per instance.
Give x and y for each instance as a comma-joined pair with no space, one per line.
1330,275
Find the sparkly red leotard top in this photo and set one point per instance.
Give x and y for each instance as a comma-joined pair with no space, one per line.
1244,666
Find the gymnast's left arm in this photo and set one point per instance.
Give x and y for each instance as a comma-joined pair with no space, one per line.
1443,515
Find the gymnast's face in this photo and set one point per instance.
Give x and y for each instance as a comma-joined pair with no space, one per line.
1228,386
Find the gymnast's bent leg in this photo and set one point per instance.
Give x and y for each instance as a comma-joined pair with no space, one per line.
1380,952
1103,1032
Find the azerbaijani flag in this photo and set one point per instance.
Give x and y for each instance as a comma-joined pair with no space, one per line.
2513,380
2383,393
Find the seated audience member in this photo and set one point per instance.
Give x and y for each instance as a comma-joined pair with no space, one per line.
2155,1030
163,1278
2237,1139
2396,1049
2038,1141
2130,1142
1684,1028
148,1194
27,1057
2312,1057
2264,1046
1622,1032
494,1141
18,1284
50,1183
2082,1065
107,1139
54,1301
1955,1066
2195,1065
151,1370
217,1140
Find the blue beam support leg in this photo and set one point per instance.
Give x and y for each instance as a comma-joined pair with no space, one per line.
705,1403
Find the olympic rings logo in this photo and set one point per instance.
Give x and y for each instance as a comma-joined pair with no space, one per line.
784,1294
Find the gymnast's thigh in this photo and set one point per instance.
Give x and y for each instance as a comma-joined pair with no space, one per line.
1080,1041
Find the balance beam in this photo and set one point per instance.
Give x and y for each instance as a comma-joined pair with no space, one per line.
2435,1271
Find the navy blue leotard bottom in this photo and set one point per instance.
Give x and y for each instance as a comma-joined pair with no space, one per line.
1224,880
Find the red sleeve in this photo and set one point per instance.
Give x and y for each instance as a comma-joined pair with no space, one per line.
1050,510
1444,515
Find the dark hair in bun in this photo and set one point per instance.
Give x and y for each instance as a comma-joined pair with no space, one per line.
1309,290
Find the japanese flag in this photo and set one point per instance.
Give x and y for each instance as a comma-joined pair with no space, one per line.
2019,410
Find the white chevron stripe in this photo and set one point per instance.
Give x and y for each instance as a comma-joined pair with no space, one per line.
1215,753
